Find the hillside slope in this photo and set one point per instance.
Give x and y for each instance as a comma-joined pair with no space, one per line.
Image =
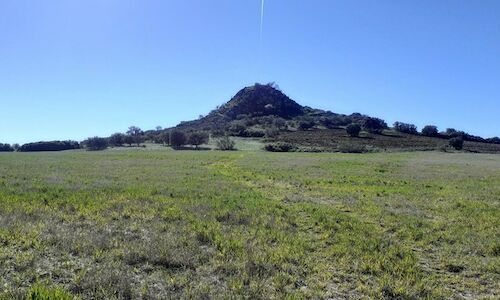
337,139
265,111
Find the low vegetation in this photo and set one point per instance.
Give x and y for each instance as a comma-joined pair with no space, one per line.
457,143
195,224
49,146
225,143
405,128
280,147
353,130
430,130
6,148
95,143
198,138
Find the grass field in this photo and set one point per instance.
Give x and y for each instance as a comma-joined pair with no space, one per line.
206,224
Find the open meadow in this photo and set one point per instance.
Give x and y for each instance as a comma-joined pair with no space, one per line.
157,224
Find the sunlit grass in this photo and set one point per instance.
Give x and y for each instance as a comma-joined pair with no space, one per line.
194,224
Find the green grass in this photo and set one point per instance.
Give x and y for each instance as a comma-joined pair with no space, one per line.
206,224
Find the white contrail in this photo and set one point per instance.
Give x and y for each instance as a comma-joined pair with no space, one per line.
261,19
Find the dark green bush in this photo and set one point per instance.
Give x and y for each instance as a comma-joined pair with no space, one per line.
164,138
95,143
49,146
457,143
252,132
306,124
374,125
353,130
198,138
117,139
405,128
128,139
493,140
237,128
280,147
430,130
6,148
177,139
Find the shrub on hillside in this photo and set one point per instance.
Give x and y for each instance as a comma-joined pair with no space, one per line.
457,143
374,125
237,128
253,132
49,146
405,128
225,143
353,130
472,138
450,131
95,143
430,130
331,122
197,138
177,139
272,132
342,120
306,124
280,123
493,140
280,147
218,132
6,148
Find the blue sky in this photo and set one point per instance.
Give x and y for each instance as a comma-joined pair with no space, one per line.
73,69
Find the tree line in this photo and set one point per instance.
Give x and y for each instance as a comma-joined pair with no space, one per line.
175,139
242,126
456,138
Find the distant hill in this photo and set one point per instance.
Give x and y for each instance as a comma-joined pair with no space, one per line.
264,111
260,100
251,102
257,107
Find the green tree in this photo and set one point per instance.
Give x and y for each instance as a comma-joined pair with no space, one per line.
430,130
137,134
353,130
128,139
96,143
457,143
117,139
405,127
6,148
177,139
198,138
374,125
164,137
306,124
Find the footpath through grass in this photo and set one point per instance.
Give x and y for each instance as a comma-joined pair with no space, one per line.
166,224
